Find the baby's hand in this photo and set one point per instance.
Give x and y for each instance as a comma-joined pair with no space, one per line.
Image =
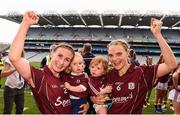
104,97
13,69
67,85
178,87
97,100
107,89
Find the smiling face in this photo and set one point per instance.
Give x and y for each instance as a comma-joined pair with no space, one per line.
118,56
118,52
60,60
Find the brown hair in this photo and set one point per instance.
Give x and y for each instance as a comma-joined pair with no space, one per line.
161,60
100,59
23,54
66,46
178,63
149,60
81,51
87,48
132,54
121,42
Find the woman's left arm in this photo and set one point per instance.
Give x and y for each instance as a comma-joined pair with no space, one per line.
168,55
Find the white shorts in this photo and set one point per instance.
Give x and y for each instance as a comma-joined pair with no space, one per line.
174,95
97,107
162,86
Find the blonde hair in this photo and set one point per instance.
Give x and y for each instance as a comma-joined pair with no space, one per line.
121,42
64,45
100,59
52,47
78,55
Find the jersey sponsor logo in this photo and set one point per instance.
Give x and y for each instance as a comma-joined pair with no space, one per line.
122,99
63,103
131,85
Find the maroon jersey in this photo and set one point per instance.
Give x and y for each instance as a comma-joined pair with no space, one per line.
50,94
164,78
95,83
129,91
178,82
76,80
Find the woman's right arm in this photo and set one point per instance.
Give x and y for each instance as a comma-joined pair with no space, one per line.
17,46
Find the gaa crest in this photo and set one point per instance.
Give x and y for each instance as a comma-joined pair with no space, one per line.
131,85
78,81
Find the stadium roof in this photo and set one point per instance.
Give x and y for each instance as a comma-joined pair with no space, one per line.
106,19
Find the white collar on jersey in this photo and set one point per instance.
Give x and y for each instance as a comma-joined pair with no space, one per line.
76,74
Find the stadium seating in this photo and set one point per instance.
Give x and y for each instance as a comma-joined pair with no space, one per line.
141,40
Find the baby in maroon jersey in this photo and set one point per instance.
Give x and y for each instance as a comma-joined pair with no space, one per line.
77,83
97,82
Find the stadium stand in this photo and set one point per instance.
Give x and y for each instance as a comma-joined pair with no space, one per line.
3,48
99,30
136,39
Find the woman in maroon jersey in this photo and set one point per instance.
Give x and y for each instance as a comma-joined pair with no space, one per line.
47,84
174,94
149,62
130,84
161,89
